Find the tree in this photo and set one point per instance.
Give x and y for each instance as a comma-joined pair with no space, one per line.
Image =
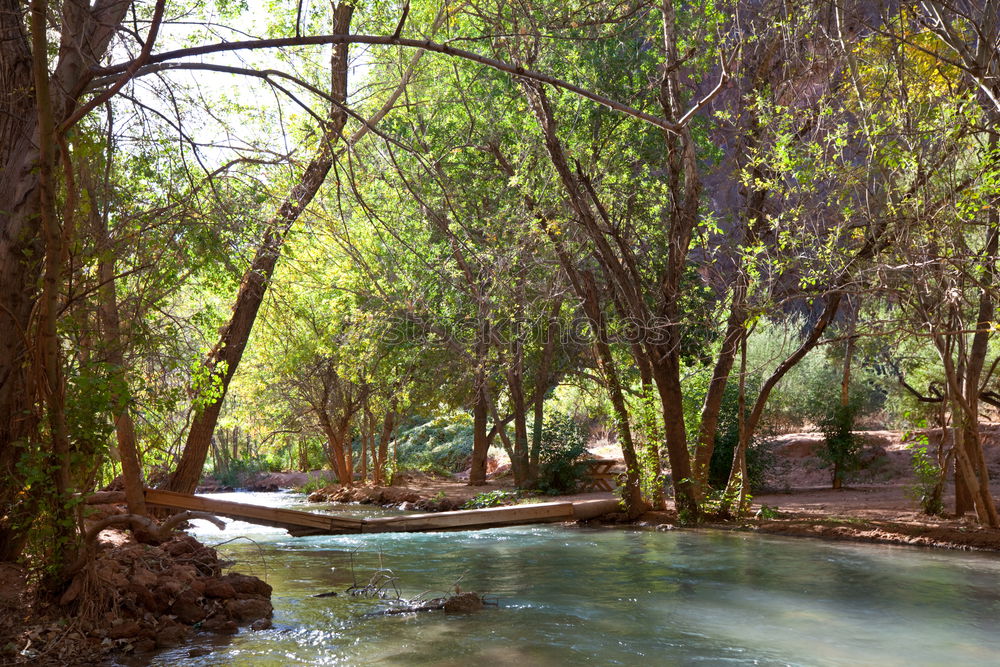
37,106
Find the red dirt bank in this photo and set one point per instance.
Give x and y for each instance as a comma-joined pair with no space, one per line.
131,598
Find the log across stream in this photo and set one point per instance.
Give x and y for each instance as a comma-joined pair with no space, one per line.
571,595
299,523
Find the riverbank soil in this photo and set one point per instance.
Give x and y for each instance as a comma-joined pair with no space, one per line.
130,598
877,504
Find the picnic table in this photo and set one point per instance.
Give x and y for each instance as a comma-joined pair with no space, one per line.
598,475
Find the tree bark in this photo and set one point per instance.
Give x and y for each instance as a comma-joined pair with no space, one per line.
541,388
128,449
27,158
738,472
708,426
335,450
382,452
480,439
515,383
367,436
635,504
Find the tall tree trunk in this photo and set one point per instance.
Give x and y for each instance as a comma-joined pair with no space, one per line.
303,455
708,426
382,452
335,449
632,496
480,439
811,341
519,408
964,384
367,434
223,360
963,497
347,444
541,388
128,449
738,472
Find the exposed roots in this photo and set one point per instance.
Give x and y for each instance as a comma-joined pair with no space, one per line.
145,528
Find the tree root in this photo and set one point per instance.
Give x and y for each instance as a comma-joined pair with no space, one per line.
146,529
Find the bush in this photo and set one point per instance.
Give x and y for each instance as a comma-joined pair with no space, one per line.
560,469
842,448
237,473
314,484
493,498
929,487
442,444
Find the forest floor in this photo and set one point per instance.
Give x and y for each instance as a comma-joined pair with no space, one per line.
877,504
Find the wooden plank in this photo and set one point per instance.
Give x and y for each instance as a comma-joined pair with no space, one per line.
591,509
299,523
272,516
489,517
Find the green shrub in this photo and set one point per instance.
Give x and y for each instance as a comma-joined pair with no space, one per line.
442,444
314,484
842,448
493,498
929,487
563,444
237,473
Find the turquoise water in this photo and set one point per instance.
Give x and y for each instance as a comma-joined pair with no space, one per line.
572,596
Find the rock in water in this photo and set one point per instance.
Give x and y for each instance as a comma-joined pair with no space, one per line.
463,603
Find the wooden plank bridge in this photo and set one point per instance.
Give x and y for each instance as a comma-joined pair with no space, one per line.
299,523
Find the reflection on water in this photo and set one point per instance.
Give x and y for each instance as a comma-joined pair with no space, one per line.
570,596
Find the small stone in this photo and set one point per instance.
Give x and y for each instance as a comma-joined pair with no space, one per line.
172,635
463,603
216,588
143,577
144,597
261,624
170,587
220,625
249,609
198,652
186,608
144,645
124,630
242,586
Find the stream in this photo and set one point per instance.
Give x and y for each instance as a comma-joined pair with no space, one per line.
572,596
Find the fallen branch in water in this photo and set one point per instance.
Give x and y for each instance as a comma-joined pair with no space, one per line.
382,585
460,603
